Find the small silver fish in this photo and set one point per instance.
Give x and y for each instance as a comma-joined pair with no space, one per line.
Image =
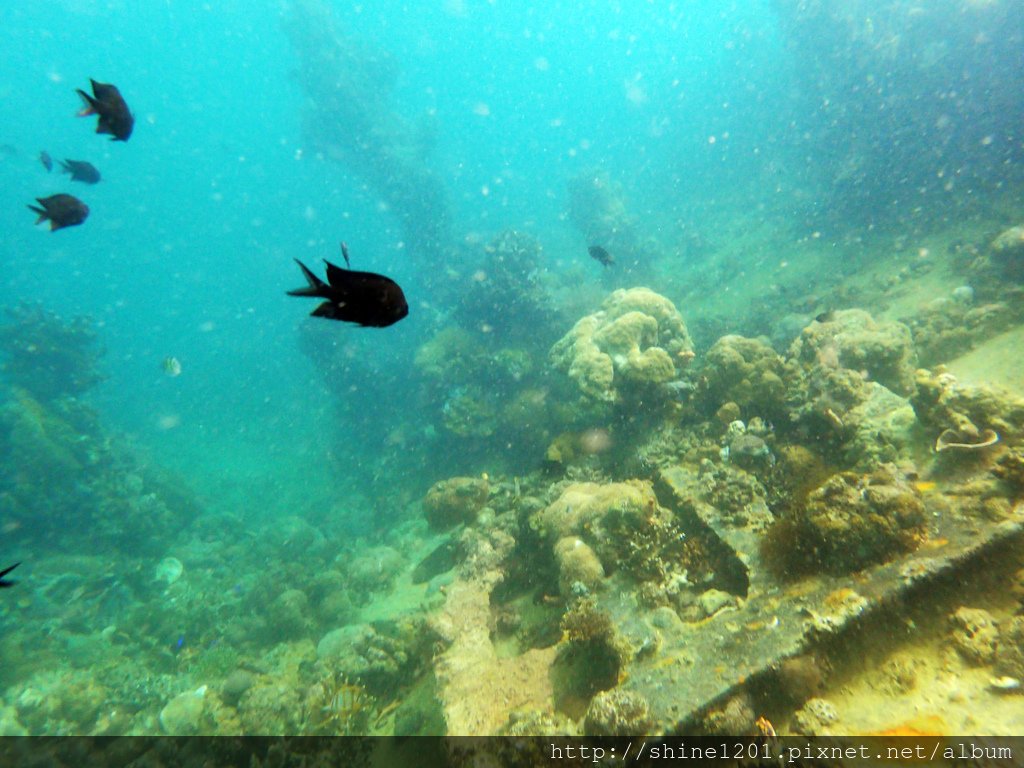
171,366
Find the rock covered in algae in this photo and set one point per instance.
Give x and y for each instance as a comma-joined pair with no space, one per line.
617,528
453,501
618,713
747,372
578,564
950,326
941,402
538,723
852,521
270,709
1010,653
975,634
1008,252
628,350
852,339
290,615
377,659
878,430
815,718
601,517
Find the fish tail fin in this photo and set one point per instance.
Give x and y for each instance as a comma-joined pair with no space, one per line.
316,286
64,167
90,104
43,215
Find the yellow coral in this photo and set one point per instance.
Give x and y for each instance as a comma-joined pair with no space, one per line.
635,343
577,563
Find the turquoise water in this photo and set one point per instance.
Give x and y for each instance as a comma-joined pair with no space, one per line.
758,163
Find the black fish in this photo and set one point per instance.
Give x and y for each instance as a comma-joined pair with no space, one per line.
107,102
4,583
46,160
61,211
81,171
365,298
826,317
600,254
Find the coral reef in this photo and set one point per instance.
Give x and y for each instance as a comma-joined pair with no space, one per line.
337,706
947,327
1007,252
599,529
184,714
378,659
748,373
943,403
851,521
628,351
46,356
60,473
579,569
852,339
880,429
618,713
454,501
815,718
505,296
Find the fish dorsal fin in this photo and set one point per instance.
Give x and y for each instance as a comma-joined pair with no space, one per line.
336,276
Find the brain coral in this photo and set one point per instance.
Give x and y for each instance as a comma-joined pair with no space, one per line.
624,352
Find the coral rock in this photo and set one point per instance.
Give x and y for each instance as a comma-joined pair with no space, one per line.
183,715
577,564
746,372
1008,252
618,713
625,352
853,340
1010,653
852,521
975,634
454,501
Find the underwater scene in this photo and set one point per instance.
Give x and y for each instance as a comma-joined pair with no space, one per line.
481,367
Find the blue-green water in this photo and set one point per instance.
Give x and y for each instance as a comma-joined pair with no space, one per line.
758,164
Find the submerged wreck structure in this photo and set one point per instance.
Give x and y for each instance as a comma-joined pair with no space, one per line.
349,119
